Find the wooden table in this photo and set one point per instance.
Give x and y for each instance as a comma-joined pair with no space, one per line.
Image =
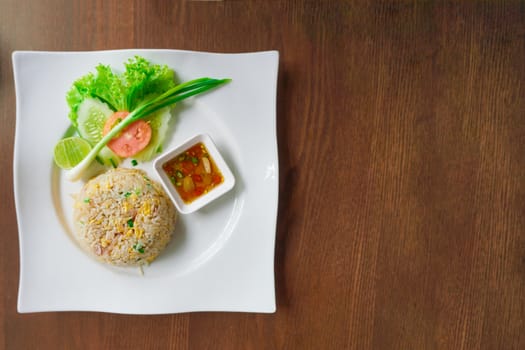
401,136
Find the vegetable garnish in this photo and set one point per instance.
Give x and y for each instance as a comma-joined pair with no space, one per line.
133,139
172,96
139,248
140,100
121,92
134,162
130,223
70,151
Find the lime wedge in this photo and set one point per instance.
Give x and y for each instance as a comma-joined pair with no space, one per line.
70,151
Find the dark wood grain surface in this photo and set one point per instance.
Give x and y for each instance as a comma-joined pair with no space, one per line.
401,136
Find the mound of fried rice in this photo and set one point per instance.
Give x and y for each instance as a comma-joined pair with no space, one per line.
123,217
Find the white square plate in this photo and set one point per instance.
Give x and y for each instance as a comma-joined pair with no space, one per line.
221,257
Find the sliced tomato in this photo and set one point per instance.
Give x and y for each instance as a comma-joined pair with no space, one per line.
113,120
130,141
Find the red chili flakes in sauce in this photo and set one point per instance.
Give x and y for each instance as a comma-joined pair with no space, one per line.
193,173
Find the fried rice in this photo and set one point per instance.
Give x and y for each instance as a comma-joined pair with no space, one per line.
123,217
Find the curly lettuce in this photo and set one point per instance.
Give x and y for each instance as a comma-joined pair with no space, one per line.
140,82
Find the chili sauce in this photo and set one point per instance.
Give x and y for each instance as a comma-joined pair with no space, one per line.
193,173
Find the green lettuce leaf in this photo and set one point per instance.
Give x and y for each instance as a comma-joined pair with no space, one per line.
140,82
144,79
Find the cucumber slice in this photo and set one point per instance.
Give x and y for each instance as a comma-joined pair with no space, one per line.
159,123
92,115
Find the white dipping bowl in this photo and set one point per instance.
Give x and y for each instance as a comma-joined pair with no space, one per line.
204,199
